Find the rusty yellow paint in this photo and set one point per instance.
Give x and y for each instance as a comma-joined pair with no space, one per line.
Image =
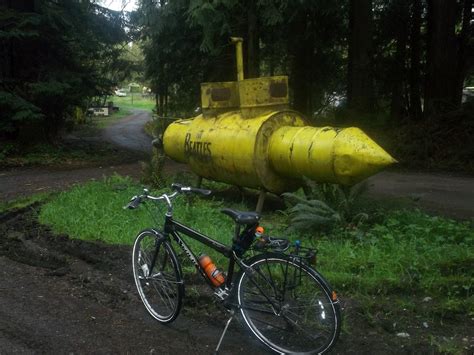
247,136
265,91
239,57
220,95
230,148
272,151
344,156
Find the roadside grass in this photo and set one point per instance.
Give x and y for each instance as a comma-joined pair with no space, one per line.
98,213
102,122
139,102
24,201
406,253
76,153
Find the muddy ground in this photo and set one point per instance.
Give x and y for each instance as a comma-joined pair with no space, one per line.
61,296
68,296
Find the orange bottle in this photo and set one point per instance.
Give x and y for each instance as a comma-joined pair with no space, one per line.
213,273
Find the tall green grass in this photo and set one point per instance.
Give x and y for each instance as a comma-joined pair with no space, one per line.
407,253
94,212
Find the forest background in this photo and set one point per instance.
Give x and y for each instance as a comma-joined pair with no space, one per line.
400,69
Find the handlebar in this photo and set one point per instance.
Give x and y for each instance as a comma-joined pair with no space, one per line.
178,189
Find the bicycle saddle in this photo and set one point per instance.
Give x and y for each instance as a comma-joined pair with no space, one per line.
242,217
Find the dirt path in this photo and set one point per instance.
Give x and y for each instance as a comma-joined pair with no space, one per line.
128,132
444,194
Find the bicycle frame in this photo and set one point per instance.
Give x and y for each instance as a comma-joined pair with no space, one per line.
173,228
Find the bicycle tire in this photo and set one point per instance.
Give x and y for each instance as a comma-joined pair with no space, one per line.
161,289
288,305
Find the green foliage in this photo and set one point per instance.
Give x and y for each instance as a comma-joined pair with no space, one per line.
325,206
14,109
408,254
94,212
139,102
73,47
75,154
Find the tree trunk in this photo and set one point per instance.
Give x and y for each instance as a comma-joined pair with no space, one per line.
465,62
415,58
360,88
397,106
301,53
253,41
441,61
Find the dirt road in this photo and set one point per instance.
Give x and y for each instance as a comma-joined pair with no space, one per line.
444,194
129,133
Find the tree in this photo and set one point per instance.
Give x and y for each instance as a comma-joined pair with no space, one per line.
415,60
360,89
440,86
465,52
73,47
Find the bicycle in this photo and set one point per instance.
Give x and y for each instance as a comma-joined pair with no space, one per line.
283,301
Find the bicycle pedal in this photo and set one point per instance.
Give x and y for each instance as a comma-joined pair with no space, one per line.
221,293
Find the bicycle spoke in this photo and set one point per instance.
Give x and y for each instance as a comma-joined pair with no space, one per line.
157,278
305,319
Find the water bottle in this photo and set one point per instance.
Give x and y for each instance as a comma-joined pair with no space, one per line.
260,239
259,232
213,273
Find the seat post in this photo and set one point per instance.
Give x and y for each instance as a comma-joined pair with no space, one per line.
236,232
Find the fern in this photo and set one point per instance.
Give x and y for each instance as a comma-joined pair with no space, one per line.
325,206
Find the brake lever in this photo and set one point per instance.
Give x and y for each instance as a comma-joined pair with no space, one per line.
134,203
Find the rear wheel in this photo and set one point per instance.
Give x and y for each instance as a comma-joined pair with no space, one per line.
157,276
288,305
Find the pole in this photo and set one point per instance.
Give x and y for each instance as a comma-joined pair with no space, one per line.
239,57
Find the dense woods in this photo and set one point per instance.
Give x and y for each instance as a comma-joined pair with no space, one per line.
55,56
401,57
371,63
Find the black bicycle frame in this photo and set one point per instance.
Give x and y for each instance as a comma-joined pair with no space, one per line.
173,228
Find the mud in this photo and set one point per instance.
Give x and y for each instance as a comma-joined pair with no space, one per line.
60,295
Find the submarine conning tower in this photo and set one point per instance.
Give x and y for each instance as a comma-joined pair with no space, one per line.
248,136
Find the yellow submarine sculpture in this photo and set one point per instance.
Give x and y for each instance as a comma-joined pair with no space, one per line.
248,136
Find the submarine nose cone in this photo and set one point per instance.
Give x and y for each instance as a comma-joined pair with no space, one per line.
356,156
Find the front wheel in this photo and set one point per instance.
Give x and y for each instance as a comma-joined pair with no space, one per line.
287,305
157,276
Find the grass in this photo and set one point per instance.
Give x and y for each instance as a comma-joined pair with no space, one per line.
24,201
98,214
408,251
64,154
389,267
102,122
139,102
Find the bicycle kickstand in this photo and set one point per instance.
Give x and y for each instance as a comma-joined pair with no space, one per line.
225,330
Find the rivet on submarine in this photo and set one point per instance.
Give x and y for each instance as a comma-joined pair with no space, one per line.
248,136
